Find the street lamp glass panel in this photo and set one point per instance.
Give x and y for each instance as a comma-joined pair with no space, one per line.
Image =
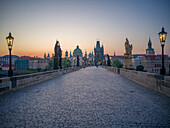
10,40
162,36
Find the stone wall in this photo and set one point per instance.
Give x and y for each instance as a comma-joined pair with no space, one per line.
8,84
153,81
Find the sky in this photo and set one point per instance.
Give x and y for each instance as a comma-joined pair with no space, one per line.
37,24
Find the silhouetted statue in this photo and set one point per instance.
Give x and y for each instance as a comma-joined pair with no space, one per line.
128,48
108,60
77,60
60,60
57,56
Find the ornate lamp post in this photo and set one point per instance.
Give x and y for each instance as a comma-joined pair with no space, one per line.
10,41
162,36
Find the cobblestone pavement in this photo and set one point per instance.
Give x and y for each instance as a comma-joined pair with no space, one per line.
88,98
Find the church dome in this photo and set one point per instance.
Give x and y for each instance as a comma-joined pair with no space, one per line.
77,50
90,54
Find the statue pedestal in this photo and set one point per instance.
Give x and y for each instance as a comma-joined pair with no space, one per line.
128,62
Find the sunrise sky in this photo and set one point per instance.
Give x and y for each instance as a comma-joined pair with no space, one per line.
36,24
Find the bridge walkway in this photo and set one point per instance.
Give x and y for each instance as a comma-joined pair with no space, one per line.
88,98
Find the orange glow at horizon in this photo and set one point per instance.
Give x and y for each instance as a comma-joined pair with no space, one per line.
39,51
36,27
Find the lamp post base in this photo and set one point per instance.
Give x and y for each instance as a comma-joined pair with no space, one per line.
162,71
10,73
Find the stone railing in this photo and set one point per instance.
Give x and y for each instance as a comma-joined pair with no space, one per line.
8,84
153,81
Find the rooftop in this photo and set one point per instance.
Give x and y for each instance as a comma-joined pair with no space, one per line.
7,56
77,50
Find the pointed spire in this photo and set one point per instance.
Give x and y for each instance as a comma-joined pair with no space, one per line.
66,54
70,54
98,44
44,55
149,44
48,55
114,53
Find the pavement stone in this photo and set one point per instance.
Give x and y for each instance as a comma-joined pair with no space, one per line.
88,98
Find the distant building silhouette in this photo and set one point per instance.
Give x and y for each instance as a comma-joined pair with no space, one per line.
26,62
99,53
5,59
66,54
45,56
77,52
78,55
6,67
70,54
48,55
152,63
150,50
90,59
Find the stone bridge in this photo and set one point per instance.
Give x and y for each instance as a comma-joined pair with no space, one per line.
88,98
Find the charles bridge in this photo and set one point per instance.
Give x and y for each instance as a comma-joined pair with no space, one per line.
89,97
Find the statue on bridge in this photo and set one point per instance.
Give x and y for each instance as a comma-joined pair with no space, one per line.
128,61
78,60
128,48
57,56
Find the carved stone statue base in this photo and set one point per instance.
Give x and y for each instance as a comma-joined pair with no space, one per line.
128,62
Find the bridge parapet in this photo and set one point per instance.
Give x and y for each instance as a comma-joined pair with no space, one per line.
8,84
153,81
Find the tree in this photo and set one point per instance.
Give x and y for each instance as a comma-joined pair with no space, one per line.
38,69
50,65
116,63
139,68
66,63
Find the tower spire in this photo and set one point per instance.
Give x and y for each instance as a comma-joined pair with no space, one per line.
150,50
149,43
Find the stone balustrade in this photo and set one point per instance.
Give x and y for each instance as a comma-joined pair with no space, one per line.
8,84
153,81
